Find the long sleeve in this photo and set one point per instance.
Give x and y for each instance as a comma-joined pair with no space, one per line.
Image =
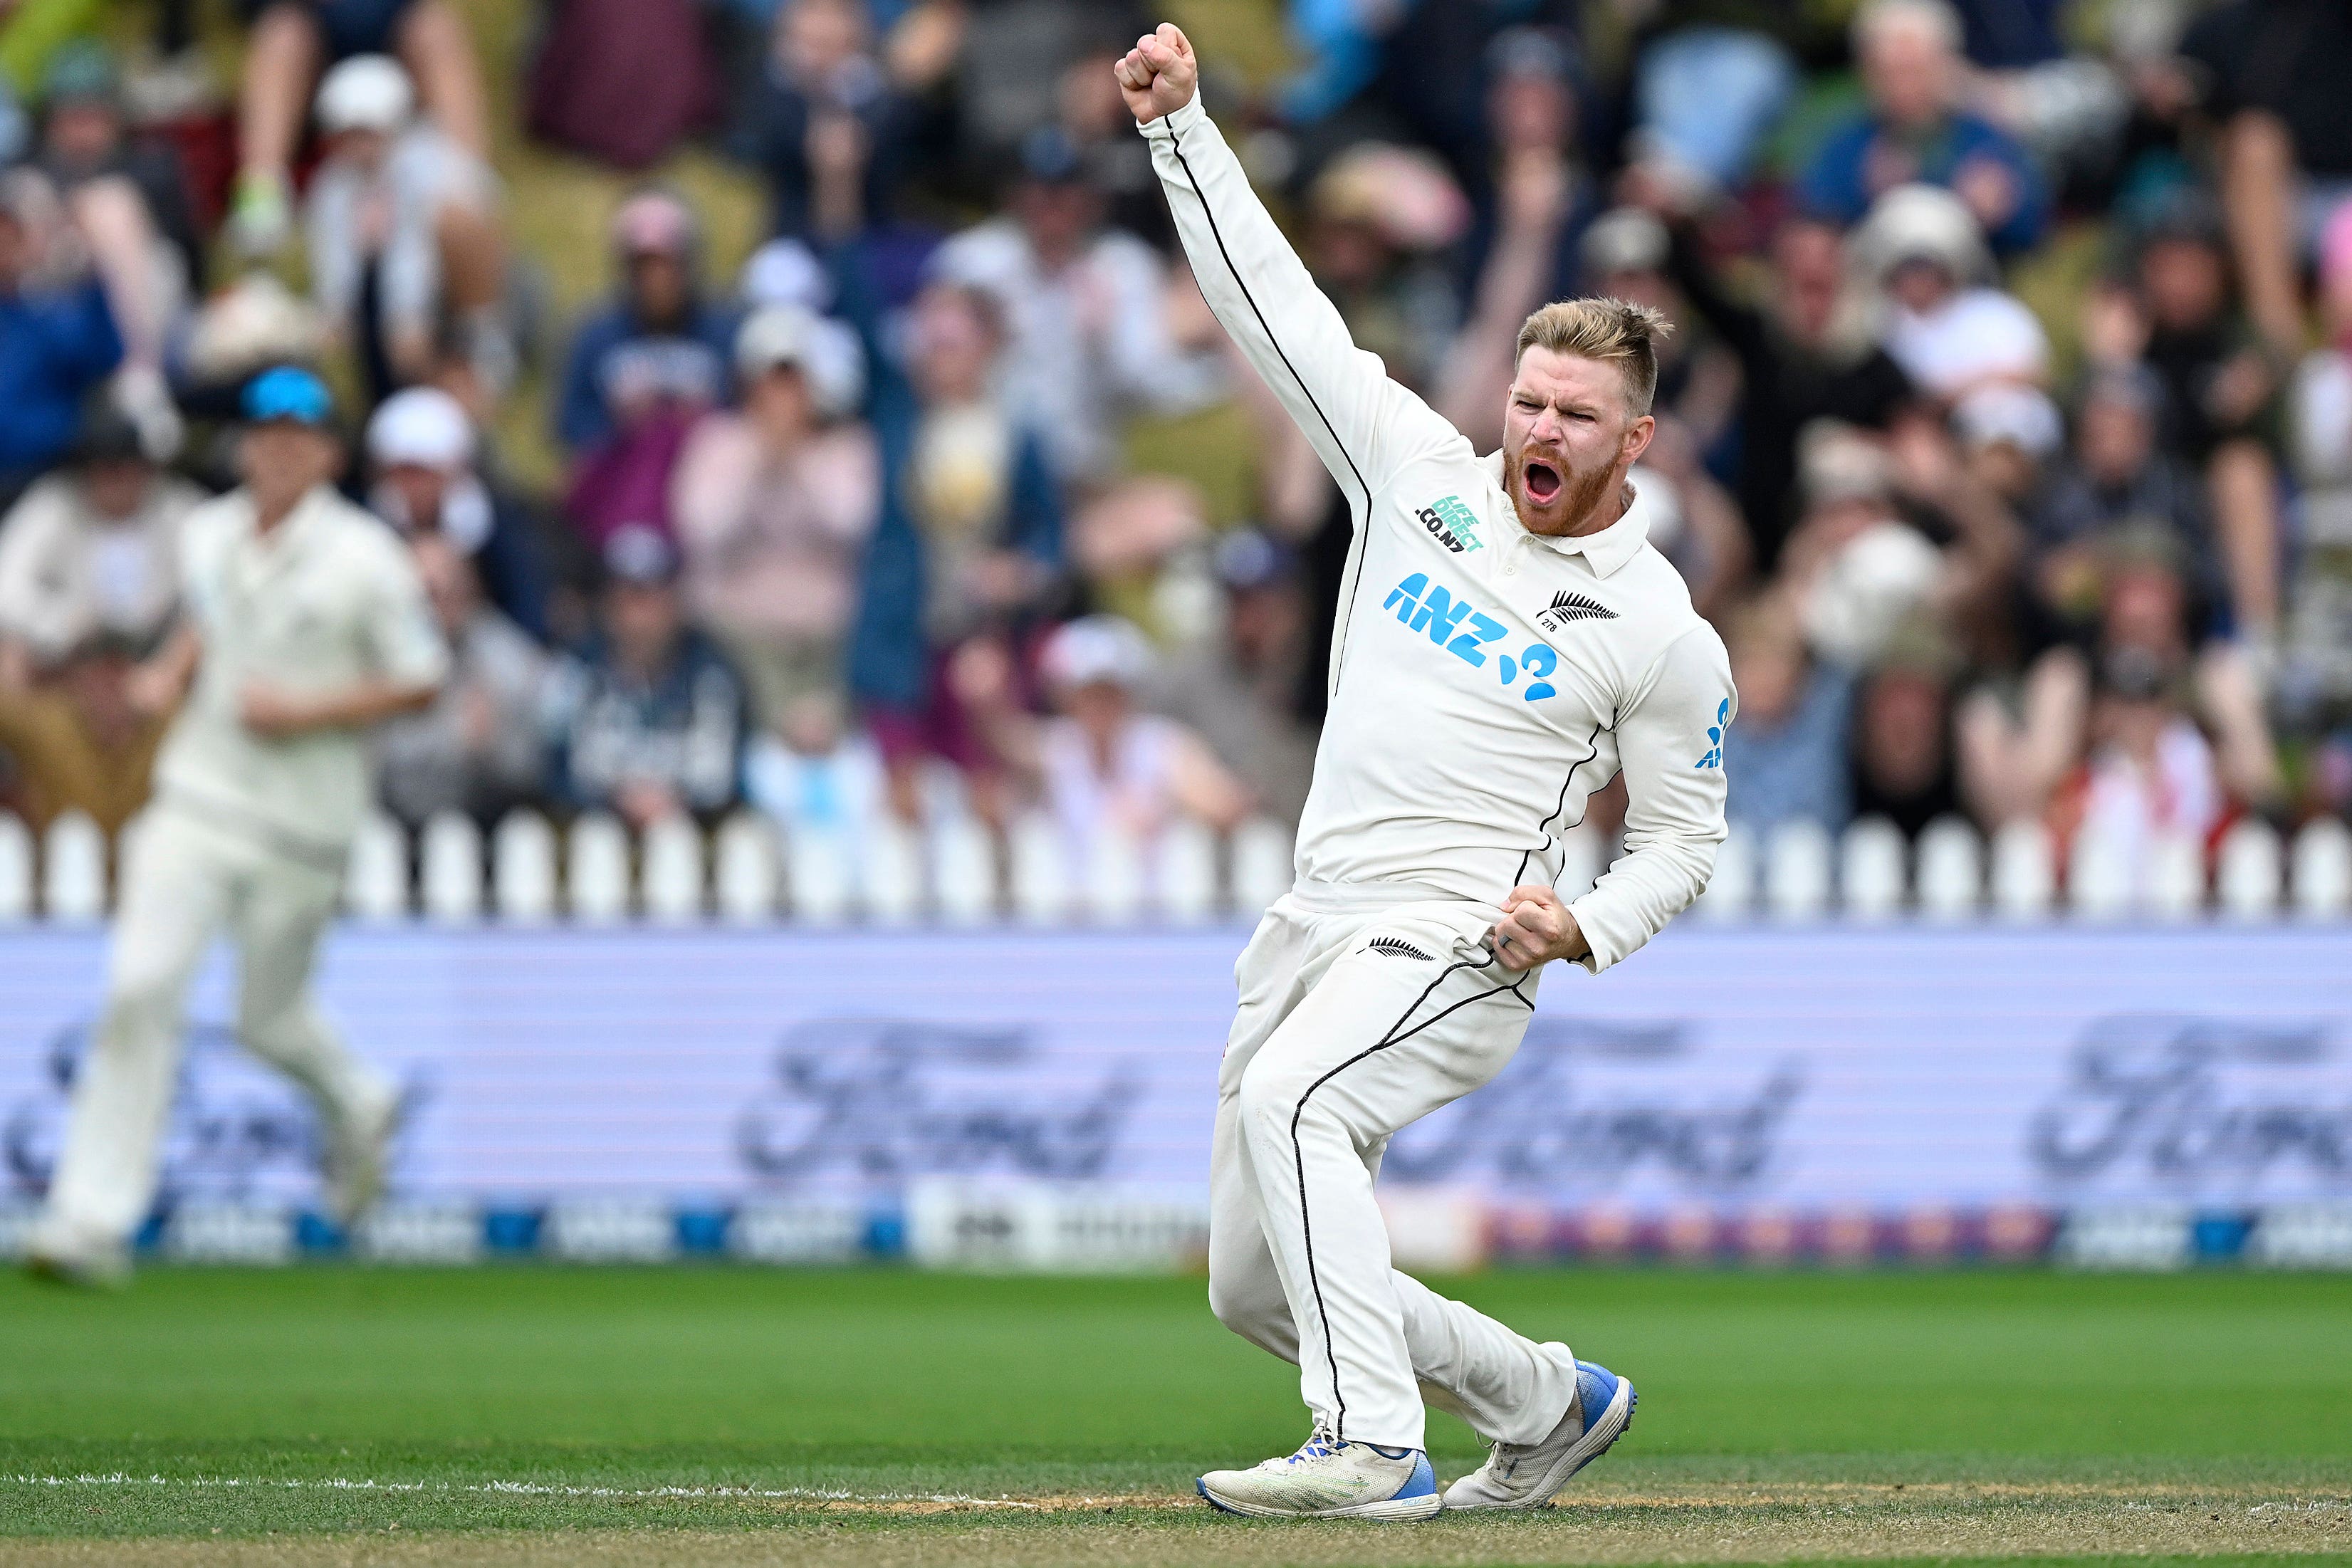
1363,426
1670,744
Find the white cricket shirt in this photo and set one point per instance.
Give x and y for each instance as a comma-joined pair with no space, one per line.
325,600
1484,680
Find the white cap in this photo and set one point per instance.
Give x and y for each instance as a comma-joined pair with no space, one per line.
422,427
1096,650
785,272
825,351
2005,411
1924,223
1625,239
774,335
366,92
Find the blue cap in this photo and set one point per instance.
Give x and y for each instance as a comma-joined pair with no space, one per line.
288,392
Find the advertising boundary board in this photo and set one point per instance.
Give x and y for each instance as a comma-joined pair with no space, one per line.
2124,1096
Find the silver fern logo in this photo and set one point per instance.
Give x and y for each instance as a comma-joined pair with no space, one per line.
1566,607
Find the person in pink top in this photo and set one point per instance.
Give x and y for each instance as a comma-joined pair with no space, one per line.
774,503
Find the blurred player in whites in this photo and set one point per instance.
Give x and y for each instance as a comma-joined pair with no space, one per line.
1507,640
305,624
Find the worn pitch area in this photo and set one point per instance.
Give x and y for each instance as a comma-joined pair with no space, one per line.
722,1416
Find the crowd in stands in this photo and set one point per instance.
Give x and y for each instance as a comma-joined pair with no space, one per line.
2005,430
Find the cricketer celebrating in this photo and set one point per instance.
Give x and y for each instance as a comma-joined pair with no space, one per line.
304,623
1507,641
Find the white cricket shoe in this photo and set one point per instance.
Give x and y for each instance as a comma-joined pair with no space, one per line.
1329,1479
65,1254
1529,1475
359,1150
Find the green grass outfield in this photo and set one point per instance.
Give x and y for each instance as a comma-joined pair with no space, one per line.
543,1415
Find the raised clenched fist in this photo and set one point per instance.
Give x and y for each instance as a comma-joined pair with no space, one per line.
1158,75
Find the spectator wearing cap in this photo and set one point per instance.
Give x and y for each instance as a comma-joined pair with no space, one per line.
1085,307
83,137
291,42
1100,766
130,198
824,123
1912,131
58,341
426,481
1855,568
660,350
1947,324
649,720
774,505
1235,691
403,229
968,544
2009,433
1808,355
92,553
1624,255
478,749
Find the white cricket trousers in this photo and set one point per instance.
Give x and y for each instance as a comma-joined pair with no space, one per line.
189,880
1363,1009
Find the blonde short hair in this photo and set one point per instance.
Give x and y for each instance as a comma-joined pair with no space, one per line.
1615,330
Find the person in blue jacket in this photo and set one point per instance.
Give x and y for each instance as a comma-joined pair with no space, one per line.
968,549
1915,130
659,342
56,343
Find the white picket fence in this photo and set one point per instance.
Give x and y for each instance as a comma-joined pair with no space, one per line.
749,871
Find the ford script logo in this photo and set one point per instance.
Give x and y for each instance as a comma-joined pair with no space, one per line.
2188,1099
1577,1108
886,1098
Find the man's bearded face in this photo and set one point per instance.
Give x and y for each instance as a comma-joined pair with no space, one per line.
1567,435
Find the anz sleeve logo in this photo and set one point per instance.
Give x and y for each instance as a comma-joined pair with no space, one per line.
1453,624
1714,757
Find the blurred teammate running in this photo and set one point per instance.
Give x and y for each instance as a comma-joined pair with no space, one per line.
304,625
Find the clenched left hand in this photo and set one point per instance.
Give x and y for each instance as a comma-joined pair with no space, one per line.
1536,928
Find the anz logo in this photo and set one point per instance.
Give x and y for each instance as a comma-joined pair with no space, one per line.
1453,624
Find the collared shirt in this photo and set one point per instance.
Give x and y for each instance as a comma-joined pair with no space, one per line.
325,601
67,573
1484,680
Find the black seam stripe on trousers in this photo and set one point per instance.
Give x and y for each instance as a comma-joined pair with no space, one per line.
1347,595
1591,749
1298,1152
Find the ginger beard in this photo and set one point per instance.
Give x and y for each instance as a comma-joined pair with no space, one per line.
1549,494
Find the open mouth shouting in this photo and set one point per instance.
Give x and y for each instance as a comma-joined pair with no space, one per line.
1542,480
